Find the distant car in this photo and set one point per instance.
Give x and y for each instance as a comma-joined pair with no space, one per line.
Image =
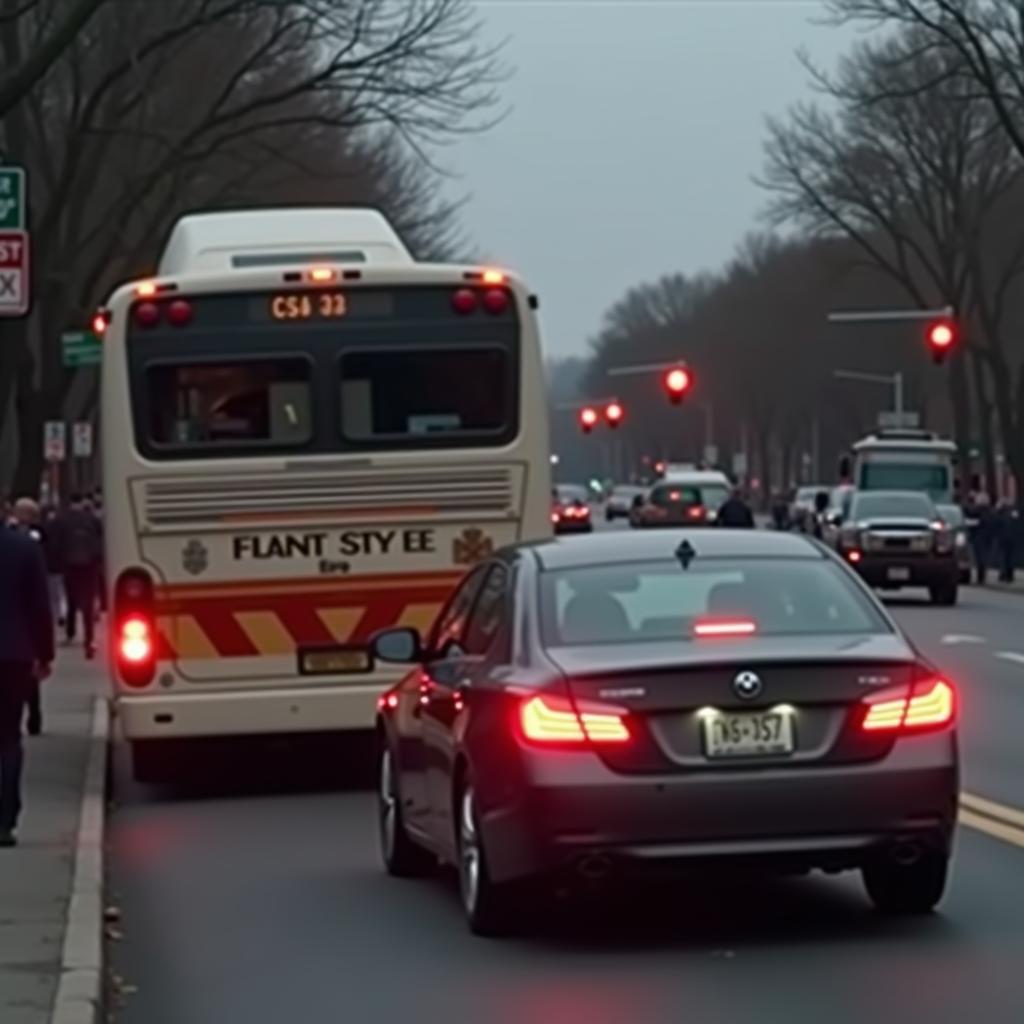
634,702
620,501
897,539
803,507
674,505
714,486
570,509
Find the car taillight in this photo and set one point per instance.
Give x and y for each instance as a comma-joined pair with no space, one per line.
135,627
695,512
931,705
550,719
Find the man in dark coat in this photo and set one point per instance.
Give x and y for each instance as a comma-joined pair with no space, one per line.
735,512
26,654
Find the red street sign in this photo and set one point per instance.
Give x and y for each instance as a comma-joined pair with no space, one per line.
15,294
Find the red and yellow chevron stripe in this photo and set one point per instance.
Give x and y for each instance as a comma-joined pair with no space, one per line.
235,620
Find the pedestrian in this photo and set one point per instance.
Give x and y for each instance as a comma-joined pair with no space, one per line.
1007,519
80,546
26,655
25,519
980,527
735,512
780,511
54,570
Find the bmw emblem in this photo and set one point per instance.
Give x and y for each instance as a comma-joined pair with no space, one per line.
747,685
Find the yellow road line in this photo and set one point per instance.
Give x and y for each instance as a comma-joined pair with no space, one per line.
989,807
994,819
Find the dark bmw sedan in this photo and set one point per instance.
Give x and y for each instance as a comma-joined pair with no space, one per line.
659,700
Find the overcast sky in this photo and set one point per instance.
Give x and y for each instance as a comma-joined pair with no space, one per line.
634,130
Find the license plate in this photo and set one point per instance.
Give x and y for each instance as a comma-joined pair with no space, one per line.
898,573
756,734
329,661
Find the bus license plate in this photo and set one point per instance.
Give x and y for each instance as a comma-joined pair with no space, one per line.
755,734
330,661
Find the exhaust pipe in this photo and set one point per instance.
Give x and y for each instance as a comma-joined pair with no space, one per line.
594,867
906,854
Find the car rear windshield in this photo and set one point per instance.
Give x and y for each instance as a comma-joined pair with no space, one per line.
708,495
651,601
898,506
571,492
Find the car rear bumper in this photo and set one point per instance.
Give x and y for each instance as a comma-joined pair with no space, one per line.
578,526
887,570
829,817
248,713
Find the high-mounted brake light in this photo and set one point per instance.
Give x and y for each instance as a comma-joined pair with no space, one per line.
551,719
322,275
725,627
146,289
932,704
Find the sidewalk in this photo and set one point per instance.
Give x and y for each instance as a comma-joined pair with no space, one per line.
37,878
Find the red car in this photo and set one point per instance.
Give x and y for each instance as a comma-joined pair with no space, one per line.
570,509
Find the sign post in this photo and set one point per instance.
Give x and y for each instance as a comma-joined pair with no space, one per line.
55,452
15,281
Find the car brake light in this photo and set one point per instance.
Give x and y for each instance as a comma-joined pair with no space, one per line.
725,627
555,517
854,556
932,704
696,512
554,720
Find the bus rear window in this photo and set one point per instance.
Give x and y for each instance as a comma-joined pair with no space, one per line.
410,395
262,402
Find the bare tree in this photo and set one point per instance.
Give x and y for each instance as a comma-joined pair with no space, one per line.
916,171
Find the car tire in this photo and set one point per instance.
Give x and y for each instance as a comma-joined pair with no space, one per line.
945,594
402,856
487,906
907,889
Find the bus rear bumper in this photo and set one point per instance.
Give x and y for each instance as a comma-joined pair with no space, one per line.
270,712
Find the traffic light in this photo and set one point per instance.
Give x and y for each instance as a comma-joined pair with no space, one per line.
677,383
613,413
588,419
942,336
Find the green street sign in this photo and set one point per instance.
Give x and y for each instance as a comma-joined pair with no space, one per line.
80,348
12,199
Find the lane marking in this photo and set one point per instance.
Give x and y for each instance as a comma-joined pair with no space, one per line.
993,828
963,638
1001,812
994,819
1011,656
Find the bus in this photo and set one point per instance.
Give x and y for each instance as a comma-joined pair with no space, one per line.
307,437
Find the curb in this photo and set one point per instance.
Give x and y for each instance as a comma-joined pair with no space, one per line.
80,989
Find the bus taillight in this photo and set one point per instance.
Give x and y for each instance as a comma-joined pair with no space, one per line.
495,300
134,626
179,313
464,301
147,314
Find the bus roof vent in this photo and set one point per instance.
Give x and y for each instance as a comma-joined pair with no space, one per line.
238,239
905,434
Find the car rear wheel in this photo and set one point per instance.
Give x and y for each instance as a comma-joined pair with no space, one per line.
907,888
402,857
944,594
487,906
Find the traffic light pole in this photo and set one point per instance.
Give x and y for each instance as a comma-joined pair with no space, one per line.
870,316
893,380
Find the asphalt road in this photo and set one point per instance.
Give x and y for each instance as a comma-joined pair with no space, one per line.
255,897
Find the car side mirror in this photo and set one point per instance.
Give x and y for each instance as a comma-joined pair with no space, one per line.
402,646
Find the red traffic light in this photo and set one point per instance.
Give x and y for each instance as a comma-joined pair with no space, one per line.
588,419
941,338
677,383
613,414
